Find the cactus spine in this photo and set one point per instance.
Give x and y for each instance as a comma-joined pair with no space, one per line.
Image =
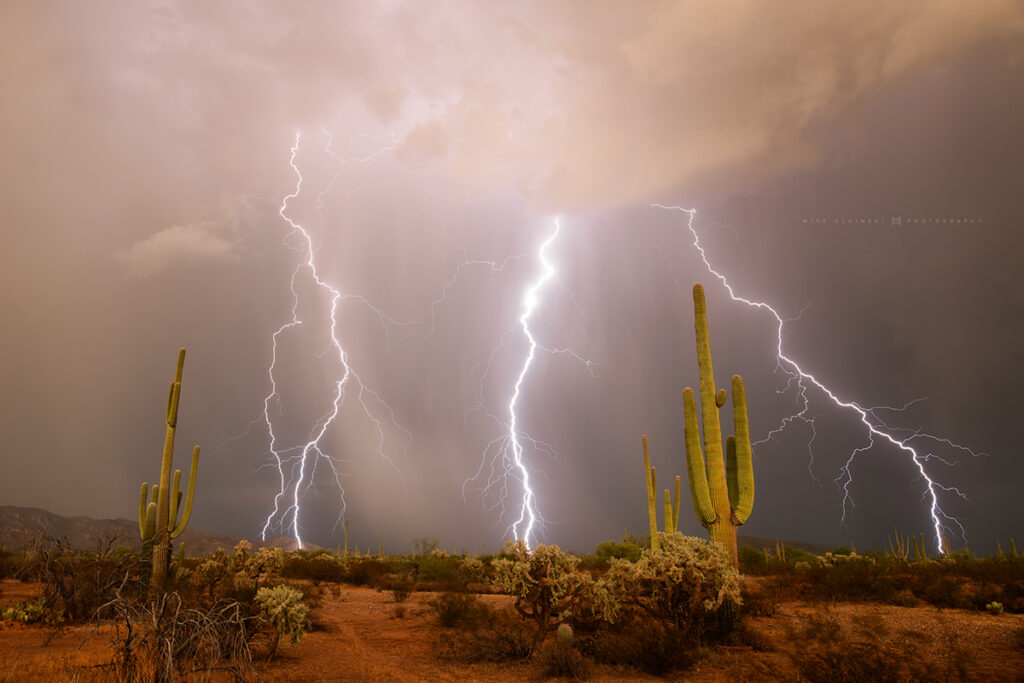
721,485
159,522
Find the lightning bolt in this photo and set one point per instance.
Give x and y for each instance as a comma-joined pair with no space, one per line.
504,458
874,426
296,465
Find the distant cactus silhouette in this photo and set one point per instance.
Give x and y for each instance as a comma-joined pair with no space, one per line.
159,520
722,487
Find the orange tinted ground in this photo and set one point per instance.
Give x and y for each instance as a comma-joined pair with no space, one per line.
360,639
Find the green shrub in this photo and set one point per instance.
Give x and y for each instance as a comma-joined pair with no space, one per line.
618,550
32,613
751,557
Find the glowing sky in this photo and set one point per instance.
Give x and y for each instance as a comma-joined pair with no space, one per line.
145,157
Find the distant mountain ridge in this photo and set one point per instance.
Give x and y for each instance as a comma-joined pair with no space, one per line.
19,526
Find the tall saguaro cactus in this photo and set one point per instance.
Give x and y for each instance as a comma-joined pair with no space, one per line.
722,487
159,520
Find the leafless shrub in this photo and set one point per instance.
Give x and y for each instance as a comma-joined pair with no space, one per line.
80,583
165,640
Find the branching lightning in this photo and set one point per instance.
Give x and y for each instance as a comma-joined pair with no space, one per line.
296,465
504,458
875,427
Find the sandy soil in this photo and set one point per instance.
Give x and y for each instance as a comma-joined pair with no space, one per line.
360,638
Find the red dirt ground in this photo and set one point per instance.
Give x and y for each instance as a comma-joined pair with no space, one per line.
359,639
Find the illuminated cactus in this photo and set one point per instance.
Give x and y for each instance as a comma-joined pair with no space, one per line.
650,478
159,520
722,487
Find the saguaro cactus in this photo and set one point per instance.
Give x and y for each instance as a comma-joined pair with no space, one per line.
159,520
722,487
671,504
651,480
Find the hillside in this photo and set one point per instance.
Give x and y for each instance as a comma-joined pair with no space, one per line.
19,526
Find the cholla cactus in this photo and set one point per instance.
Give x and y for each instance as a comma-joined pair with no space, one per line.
210,573
264,562
549,587
683,584
240,556
283,607
472,570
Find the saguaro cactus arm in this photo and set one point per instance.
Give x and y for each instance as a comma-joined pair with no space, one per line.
740,466
668,511
187,511
649,481
143,495
695,462
675,505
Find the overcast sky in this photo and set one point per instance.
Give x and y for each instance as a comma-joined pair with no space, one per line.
857,166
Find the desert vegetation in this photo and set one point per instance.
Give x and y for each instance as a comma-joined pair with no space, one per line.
623,612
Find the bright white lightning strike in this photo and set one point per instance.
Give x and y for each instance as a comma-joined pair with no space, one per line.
528,514
506,454
293,463
874,426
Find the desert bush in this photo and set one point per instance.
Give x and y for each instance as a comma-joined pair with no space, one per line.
318,568
401,587
561,660
759,600
441,569
367,571
644,644
688,585
80,583
827,654
165,640
627,549
549,587
12,565
454,609
283,608
492,635
751,558
31,612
